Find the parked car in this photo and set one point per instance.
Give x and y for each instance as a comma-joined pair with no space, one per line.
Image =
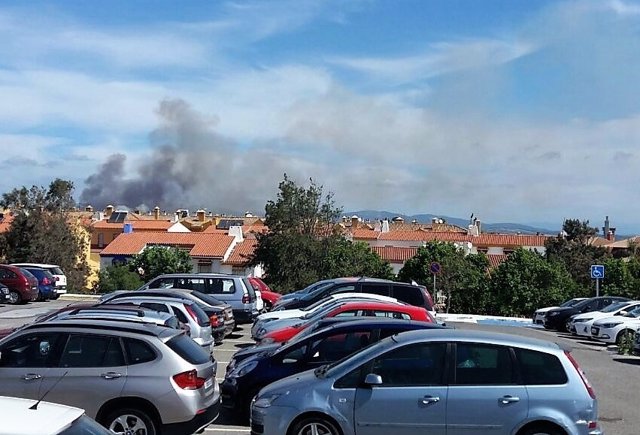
539,314
56,271
580,324
220,314
23,287
36,417
353,309
235,290
187,312
327,345
123,313
557,317
131,378
613,329
46,283
5,297
447,380
268,322
412,294
268,296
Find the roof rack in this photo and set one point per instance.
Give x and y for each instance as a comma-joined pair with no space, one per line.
80,324
112,308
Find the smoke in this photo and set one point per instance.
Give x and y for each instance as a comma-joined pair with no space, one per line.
189,166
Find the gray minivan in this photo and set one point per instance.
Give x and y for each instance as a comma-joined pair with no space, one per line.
236,290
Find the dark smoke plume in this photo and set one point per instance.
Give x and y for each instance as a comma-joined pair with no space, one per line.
189,166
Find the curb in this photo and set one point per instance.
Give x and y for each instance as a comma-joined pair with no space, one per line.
79,297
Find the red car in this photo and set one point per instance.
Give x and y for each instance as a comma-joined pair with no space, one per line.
268,296
355,309
23,286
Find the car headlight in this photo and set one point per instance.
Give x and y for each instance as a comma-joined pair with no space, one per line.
260,332
266,401
610,325
243,369
267,340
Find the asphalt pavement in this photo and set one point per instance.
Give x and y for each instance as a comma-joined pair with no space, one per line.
616,379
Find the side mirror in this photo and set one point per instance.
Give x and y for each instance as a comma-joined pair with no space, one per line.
372,379
623,313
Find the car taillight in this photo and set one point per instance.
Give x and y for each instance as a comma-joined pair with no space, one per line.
46,281
57,278
215,321
581,373
192,313
189,380
246,299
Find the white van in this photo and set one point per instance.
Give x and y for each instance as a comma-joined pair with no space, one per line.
56,271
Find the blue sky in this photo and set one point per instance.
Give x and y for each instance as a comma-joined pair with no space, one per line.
521,111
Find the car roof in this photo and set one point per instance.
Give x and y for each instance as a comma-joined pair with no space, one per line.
198,275
148,294
48,418
379,322
148,329
372,305
35,265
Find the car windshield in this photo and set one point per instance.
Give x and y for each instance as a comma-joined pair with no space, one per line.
310,295
633,313
319,303
321,311
85,426
614,307
571,302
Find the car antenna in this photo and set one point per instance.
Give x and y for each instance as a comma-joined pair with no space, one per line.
35,405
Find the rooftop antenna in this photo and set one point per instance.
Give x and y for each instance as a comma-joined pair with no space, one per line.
35,405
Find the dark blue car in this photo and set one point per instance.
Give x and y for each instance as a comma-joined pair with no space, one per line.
324,346
46,283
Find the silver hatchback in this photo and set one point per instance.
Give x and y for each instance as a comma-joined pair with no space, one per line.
453,382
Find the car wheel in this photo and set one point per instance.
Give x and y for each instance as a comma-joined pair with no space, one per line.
14,297
315,426
130,421
622,334
545,429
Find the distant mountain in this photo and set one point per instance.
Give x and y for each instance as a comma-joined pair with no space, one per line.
509,228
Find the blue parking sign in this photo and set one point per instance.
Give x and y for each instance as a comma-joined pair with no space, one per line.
597,271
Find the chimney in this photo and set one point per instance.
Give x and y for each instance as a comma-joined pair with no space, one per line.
89,208
385,226
354,222
201,215
479,226
108,211
156,212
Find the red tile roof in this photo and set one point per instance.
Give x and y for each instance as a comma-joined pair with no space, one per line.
508,240
138,225
364,234
200,244
5,224
242,252
496,259
424,236
394,254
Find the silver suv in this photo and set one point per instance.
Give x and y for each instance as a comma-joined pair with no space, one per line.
187,312
451,381
235,290
132,378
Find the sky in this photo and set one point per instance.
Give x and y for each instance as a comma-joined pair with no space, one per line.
515,111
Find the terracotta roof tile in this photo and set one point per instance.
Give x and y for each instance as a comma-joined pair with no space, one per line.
242,252
5,224
508,240
394,254
496,259
200,244
364,234
138,225
424,236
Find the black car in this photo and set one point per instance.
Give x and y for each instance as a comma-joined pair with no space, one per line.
324,346
5,297
411,294
557,317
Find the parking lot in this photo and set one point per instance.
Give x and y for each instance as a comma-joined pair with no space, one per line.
614,377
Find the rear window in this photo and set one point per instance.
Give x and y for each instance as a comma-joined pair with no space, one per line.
56,271
203,319
539,368
207,299
410,295
222,286
250,289
188,349
85,426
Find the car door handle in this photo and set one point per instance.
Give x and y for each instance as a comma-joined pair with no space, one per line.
111,375
426,400
505,400
31,376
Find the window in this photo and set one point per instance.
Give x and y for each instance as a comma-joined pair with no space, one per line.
33,350
188,349
342,289
7,274
221,286
539,368
376,288
413,365
392,314
162,283
351,313
180,315
336,347
480,364
408,294
155,306
100,240
84,350
138,351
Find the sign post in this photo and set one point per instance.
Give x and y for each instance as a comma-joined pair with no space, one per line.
597,273
434,268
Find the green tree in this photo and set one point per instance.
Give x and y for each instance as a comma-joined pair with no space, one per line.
621,278
345,258
156,260
572,248
525,281
115,278
461,278
42,233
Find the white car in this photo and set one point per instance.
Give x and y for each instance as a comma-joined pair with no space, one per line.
580,324
320,305
539,314
612,329
32,417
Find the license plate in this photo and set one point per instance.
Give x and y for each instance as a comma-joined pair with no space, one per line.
208,383
594,331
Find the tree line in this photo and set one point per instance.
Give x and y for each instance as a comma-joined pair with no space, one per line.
304,245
